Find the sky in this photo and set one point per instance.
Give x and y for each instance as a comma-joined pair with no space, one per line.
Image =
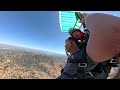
36,29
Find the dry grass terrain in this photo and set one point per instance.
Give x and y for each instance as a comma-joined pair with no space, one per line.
16,64
20,64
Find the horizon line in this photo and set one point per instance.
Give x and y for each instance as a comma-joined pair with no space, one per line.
32,48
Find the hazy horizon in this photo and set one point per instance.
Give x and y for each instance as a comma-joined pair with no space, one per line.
31,48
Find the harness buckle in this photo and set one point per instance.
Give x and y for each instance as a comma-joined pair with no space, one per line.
89,74
112,61
83,65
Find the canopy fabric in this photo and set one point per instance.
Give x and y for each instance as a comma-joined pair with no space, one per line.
68,20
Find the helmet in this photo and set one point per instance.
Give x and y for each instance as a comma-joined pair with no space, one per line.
72,30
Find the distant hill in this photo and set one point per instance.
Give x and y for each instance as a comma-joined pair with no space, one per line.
57,55
22,63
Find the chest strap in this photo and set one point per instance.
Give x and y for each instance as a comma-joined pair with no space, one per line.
80,64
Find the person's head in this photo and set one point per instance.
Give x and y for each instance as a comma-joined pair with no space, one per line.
71,44
76,33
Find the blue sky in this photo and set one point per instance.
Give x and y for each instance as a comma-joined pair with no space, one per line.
35,29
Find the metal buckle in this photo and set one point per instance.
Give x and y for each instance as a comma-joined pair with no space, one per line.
83,65
118,65
89,74
113,61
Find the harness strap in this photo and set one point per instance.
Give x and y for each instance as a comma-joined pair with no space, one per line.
69,75
87,75
103,67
